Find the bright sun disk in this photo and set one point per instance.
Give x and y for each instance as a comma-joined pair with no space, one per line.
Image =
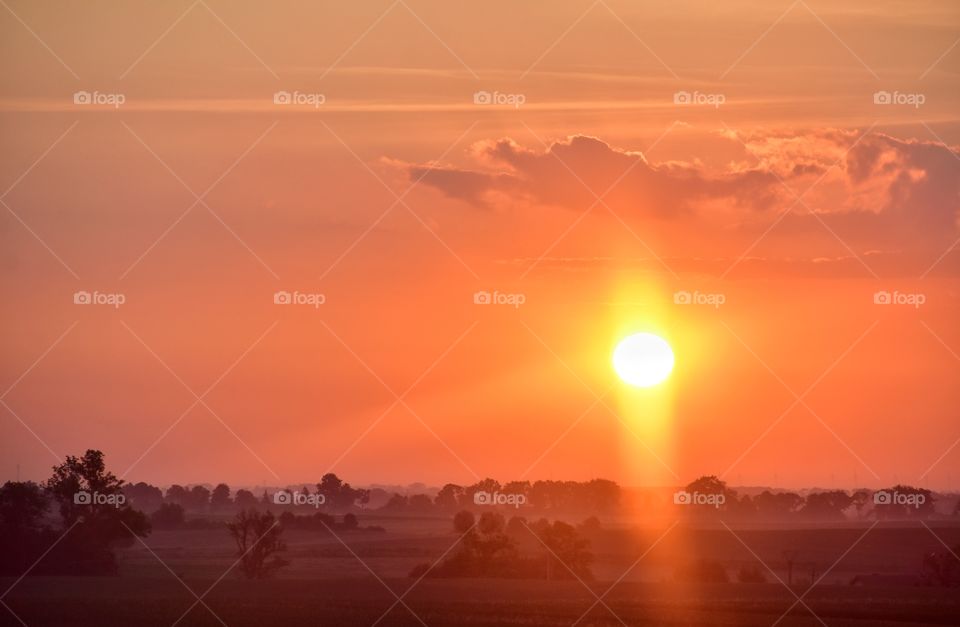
643,359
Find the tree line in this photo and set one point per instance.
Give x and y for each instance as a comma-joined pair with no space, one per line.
79,516
711,497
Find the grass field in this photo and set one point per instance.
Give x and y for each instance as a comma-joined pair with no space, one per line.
328,583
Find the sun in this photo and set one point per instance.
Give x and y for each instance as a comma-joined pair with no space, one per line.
643,359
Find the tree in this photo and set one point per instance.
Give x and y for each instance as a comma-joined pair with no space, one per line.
24,536
245,499
517,487
143,496
198,499
487,485
860,500
169,516
177,494
220,497
602,495
707,496
463,521
589,526
828,505
484,549
257,537
777,505
22,505
339,495
419,503
397,503
94,512
450,496
567,550
904,501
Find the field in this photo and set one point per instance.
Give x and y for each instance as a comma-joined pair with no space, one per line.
354,582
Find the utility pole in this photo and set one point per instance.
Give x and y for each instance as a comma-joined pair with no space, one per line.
790,557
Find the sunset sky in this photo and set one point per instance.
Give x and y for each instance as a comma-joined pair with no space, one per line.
789,187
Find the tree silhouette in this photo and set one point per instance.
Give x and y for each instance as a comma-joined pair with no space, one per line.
257,537
450,496
23,534
828,505
463,521
245,499
22,505
143,496
913,503
567,550
220,497
340,495
169,516
94,511
198,499
177,494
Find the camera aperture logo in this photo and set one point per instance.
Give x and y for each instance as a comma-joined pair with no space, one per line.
98,298
484,297
682,497
96,498
299,98
285,497
299,298
898,98
495,98
884,497
481,497
698,98
684,297
884,297
97,98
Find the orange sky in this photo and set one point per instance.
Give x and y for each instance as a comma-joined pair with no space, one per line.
786,188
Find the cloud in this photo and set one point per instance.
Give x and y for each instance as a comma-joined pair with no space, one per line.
876,189
571,173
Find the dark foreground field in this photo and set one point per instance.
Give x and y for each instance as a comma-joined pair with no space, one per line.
93,602
353,580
